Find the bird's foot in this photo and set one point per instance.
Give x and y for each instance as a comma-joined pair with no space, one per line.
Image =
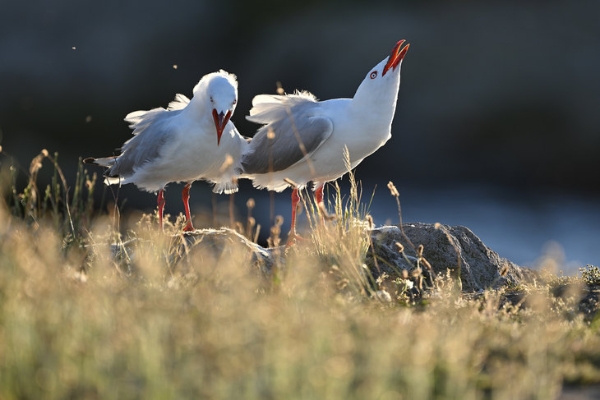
189,227
293,238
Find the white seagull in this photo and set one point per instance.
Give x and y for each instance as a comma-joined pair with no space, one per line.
178,144
304,140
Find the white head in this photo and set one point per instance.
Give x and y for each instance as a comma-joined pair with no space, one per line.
383,81
219,91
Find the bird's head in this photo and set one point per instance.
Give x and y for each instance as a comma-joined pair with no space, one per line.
220,93
385,76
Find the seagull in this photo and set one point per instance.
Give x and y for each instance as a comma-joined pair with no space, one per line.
193,139
304,140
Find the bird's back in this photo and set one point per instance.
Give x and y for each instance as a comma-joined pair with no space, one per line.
292,129
151,130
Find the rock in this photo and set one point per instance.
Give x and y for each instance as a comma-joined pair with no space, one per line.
225,242
209,245
453,248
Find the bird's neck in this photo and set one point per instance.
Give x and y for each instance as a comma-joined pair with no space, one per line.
379,105
199,111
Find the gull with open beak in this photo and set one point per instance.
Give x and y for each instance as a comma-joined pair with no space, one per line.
193,139
303,140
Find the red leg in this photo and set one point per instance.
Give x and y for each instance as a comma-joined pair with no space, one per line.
161,206
320,204
319,194
319,201
293,236
185,197
295,204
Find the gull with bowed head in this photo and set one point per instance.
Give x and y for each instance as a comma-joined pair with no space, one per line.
193,139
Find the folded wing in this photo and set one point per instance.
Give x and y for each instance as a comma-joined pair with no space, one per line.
292,131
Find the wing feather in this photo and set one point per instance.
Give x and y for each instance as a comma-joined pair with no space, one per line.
150,136
179,103
292,131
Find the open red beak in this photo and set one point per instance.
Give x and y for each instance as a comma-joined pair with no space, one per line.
220,122
398,53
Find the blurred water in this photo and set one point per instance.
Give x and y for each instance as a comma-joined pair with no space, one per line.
522,228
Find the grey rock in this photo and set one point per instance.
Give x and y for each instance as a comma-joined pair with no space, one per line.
453,248
225,242
204,247
445,248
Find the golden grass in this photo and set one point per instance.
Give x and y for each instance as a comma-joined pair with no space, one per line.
84,319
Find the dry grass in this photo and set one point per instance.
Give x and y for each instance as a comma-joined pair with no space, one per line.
80,320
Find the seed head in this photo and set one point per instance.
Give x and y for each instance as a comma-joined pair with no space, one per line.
393,189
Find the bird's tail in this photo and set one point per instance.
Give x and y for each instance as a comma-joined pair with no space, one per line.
225,187
106,162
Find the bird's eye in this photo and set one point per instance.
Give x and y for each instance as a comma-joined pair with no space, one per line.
234,101
373,75
211,99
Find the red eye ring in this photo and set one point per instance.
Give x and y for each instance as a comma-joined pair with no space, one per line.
373,75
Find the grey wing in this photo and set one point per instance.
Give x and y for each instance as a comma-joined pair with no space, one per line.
283,143
151,133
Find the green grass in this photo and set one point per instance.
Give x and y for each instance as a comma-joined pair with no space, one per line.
79,321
